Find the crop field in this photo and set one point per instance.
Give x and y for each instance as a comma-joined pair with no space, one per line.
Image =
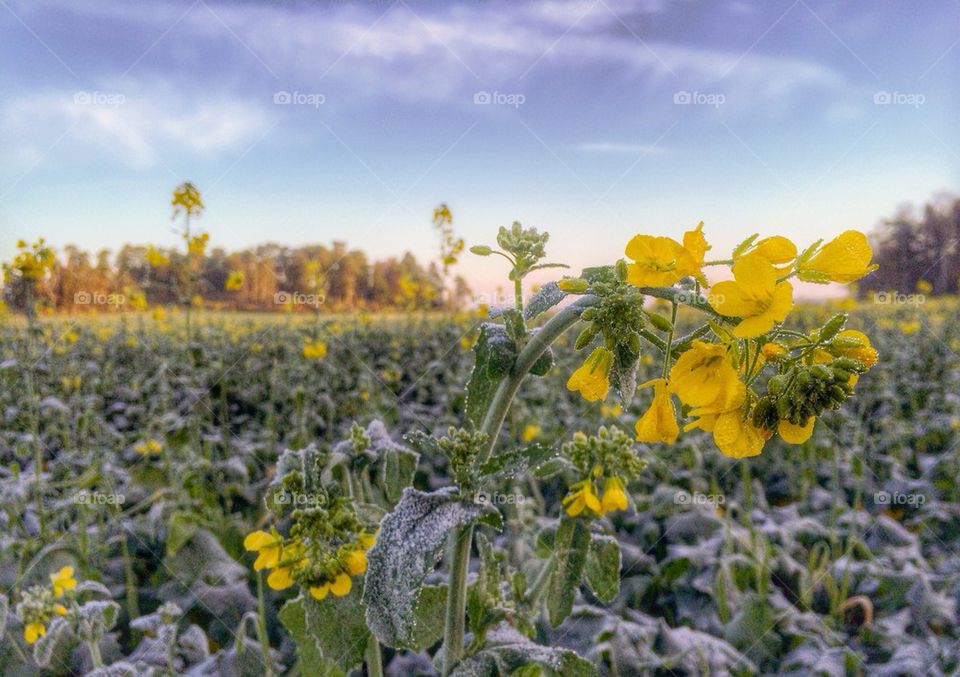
144,460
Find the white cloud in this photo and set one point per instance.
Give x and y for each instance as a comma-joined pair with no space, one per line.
137,128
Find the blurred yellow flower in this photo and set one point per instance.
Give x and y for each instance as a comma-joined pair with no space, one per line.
62,581
314,350
234,280
924,287
754,295
156,258
33,631
911,327
530,432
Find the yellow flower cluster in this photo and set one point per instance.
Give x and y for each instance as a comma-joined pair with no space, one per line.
583,496
156,258
234,280
285,558
148,447
197,244
713,379
60,582
314,350
31,261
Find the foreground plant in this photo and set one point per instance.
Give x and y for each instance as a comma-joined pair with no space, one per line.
739,373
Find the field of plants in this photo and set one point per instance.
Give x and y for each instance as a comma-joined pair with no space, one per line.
459,493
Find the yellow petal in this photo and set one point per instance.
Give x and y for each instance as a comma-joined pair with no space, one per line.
341,585
257,540
796,434
320,592
280,579
356,562
776,249
844,259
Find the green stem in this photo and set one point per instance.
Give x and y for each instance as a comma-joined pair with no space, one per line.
518,294
373,659
540,585
262,635
666,350
461,539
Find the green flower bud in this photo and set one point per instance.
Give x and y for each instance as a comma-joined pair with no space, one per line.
481,250
573,285
776,384
621,270
660,322
585,337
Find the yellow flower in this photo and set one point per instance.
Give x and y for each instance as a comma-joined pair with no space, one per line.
754,295
367,541
341,585
701,372
610,410
314,350
737,437
320,591
581,497
776,249
796,434
198,243
356,562
659,261
63,580
591,377
234,280
33,631
267,546
614,496
924,287
659,422
291,559
59,609
911,327
844,259
156,258
148,447
530,432
772,351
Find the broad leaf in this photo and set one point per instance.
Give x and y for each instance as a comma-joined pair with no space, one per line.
570,553
546,298
602,570
495,353
410,542
518,461
310,649
508,652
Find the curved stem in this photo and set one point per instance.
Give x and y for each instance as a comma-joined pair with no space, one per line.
462,539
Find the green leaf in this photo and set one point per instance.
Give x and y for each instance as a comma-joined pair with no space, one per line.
599,274
182,527
399,467
602,570
570,552
750,629
430,618
495,353
299,623
546,298
408,547
518,461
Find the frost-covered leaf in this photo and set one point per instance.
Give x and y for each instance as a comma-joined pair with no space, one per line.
409,544
602,569
57,642
508,652
570,554
494,354
546,298
293,615
516,462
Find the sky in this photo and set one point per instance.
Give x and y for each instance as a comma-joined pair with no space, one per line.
308,122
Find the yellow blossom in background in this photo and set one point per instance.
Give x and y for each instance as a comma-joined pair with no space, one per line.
234,280
772,351
582,496
156,258
700,373
755,295
910,327
592,377
844,259
33,631
314,350
658,261
659,422
147,447
356,562
796,434
611,410
197,244
614,496
159,314
62,581
530,432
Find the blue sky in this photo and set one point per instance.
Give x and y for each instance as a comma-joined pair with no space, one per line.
308,121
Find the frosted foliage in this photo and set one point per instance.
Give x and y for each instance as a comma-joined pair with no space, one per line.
408,547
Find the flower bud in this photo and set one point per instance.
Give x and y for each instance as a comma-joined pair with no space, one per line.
573,285
481,250
621,270
660,322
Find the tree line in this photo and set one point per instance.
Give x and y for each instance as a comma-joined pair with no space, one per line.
918,249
